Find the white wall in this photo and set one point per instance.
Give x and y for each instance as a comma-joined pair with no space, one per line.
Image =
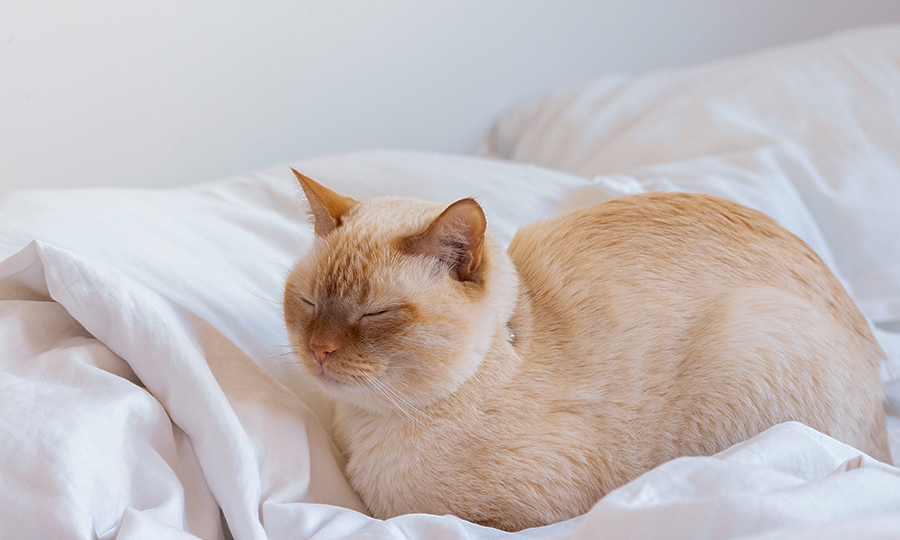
113,92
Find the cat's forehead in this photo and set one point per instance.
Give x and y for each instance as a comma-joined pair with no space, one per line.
361,253
386,218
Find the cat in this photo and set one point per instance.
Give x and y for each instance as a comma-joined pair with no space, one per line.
514,389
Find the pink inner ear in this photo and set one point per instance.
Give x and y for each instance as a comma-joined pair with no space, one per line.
455,237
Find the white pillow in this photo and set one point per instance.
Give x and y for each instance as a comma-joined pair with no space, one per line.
809,134
223,249
512,194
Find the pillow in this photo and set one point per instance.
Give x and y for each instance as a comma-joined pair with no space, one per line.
512,194
809,134
223,249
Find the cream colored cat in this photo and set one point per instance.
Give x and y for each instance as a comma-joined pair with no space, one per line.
515,389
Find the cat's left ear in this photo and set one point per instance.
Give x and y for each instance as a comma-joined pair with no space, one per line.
456,238
327,206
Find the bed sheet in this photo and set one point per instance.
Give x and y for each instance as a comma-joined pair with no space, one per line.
147,390
808,133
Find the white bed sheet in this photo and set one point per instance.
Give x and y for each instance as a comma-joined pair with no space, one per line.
141,331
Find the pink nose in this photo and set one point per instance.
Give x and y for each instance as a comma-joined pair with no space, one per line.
322,350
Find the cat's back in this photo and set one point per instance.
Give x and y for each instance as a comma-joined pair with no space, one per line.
671,247
699,315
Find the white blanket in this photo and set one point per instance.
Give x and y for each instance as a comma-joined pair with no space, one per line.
141,331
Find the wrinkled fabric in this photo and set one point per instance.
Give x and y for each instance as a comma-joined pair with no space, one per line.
145,382
808,134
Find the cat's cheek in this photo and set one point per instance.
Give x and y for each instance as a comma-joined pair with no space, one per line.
380,338
297,323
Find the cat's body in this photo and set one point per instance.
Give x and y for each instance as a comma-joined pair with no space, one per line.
515,390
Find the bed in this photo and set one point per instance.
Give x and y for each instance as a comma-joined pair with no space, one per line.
147,388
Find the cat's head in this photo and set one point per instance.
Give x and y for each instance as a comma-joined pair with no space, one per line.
398,300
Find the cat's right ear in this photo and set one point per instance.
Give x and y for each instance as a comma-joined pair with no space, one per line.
456,238
327,206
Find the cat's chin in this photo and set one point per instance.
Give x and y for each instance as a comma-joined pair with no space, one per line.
338,382
358,397
327,381
351,392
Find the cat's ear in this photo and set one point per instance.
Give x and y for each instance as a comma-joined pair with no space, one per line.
327,206
456,238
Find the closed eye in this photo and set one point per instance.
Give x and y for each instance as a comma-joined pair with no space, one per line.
378,313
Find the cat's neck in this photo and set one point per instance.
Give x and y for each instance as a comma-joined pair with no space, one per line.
499,370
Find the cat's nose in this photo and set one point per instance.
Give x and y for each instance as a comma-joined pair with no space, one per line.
322,350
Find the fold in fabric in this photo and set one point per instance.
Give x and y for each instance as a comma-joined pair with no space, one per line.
126,416
116,396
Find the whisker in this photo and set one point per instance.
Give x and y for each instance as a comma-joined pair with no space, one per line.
393,397
285,364
402,367
369,384
420,411
261,297
401,398
295,374
288,354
